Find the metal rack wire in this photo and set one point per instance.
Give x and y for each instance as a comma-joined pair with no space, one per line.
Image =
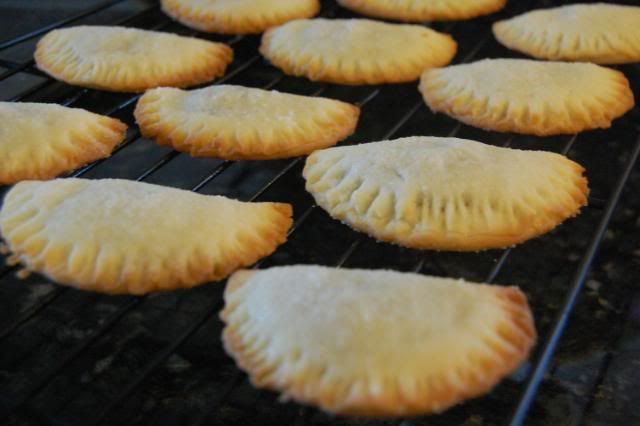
248,69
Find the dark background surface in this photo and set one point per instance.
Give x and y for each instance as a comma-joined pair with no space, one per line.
71,357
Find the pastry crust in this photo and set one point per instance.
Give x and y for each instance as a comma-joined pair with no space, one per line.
41,141
240,123
117,236
238,16
599,33
129,60
424,10
446,193
527,96
374,342
356,51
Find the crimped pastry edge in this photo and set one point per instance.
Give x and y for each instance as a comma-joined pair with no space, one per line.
528,123
372,9
167,132
329,71
51,260
530,225
227,24
109,132
311,386
212,65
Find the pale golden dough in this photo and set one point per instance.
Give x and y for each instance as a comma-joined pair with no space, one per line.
527,96
424,10
117,236
129,60
356,51
235,122
599,33
238,16
446,193
374,342
41,141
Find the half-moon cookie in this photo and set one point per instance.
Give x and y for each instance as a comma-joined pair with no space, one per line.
356,51
527,96
446,193
119,236
235,122
238,16
374,342
424,10
41,141
599,32
128,59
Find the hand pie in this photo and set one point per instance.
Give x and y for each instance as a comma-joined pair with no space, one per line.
374,342
600,33
129,60
356,51
234,122
118,236
40,141
424,10
238,16
446,193
526,96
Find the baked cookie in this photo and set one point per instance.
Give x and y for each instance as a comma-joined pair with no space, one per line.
374,342
238,16
129,60
41,141
119,236
446,193
241,123
527,96
356,51
600,33
424,10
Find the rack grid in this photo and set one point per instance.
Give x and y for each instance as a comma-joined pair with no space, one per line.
70,357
